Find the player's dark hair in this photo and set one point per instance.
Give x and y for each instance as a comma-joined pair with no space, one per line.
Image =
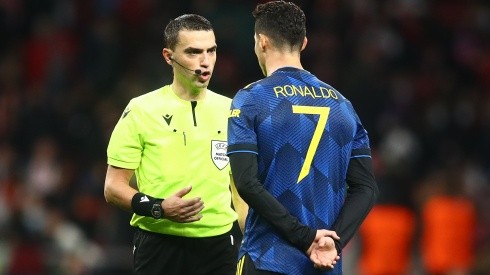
283,22
190,22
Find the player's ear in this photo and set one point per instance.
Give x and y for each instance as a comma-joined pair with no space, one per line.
264,41
305,41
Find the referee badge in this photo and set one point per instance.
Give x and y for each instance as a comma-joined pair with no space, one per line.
218,153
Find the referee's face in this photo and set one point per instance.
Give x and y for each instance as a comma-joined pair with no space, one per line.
195,50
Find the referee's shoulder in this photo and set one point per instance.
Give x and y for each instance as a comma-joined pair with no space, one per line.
145,102
216,97
148,96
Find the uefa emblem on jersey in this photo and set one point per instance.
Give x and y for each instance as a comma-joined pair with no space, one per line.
218,153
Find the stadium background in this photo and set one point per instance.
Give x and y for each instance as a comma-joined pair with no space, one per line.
418,73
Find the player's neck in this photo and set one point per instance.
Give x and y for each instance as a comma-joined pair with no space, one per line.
278,60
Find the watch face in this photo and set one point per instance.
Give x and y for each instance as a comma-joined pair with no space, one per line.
156,211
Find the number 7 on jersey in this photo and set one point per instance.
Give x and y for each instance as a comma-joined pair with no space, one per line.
317,135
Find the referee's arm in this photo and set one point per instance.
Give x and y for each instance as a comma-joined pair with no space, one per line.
117,190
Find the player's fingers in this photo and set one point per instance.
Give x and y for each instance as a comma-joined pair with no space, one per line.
318,261
323,242
326,242
331,234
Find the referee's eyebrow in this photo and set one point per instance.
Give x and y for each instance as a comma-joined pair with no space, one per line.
197,50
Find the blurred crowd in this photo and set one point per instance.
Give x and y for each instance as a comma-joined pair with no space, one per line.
417,72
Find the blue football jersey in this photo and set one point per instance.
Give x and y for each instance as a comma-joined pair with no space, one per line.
304,133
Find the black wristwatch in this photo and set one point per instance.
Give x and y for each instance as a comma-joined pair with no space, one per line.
157,210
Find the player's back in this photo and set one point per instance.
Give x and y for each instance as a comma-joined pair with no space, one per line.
305,133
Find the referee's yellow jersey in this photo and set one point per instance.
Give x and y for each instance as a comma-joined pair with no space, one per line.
172,143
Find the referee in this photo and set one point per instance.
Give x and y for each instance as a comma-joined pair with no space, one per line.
174,141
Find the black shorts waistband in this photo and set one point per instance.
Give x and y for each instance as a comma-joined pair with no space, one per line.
161,235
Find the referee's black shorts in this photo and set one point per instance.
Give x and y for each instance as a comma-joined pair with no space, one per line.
173,255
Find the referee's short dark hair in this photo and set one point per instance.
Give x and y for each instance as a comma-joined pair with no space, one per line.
191,22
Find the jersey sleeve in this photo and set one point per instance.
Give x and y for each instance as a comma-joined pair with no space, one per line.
125,145
360,145
241,124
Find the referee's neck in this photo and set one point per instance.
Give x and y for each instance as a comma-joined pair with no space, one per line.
187,93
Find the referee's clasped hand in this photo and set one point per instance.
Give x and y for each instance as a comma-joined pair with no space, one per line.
178,209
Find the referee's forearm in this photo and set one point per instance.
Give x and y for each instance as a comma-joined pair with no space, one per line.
117,190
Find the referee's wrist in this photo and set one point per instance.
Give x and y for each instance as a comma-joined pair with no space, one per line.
148,206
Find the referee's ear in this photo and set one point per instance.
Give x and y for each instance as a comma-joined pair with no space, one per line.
167,55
